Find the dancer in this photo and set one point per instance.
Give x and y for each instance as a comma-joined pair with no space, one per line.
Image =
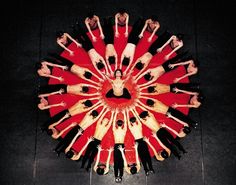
165,137
90,118
121,19
156,47
63,41
131,168
102,127
151,75
43,105
81,89
118,86
110,52
92,22
159,107
135,127
119,131
151,25
45,68
133,39
100,168
158,88
79,107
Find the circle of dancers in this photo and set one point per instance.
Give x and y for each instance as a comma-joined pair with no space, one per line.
118,71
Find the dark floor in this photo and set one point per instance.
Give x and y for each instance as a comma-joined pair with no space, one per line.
26,153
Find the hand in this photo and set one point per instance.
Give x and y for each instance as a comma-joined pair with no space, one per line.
175,105
94,39
64,68
168,115
73,124
140,36
166,57
171,66
135,146
117,34
149,39
71,53
126,34
146,139
90,139
154,135
99,148
175,89
121,148
159,50
102,36
60,79
61,91
78,45
110,149
63,104
176,80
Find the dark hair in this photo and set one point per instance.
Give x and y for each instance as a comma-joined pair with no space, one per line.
151,89
186,130
119,123
100,65
139,65
69,154
100,171
85,89
94,113
132,119
200,97
38,65
122,11
133,170
180,36
143,114
154,18
87,75
59,34
125,61
88,103
164,154
49,132
150,102
111,60
117,71
91,14
148,77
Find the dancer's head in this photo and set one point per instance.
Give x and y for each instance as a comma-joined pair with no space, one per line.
85,89
88,103
119,123
118,73
143,114
69,154
100,170
148,77
133,169
94,113
164,154
154,18
151,89
122,11
180,36
91,14
88,75
150,102
139,65
132,119
59,34
186,130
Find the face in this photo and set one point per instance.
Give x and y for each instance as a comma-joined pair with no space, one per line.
118,74
122,18
194,100
44,70
192,67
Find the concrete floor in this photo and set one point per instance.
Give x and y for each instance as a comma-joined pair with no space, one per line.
28,34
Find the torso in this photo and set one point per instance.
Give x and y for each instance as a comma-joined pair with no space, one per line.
86,122
118,87
152,123
160,107
119,135
157,71
79,107
79,71
101,130
161,88
136,131
74,89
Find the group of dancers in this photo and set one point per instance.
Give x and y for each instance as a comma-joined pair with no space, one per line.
97,110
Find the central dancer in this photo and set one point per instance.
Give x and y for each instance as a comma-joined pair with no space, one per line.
118,86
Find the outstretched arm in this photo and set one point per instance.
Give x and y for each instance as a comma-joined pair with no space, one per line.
52,105
177,120
125,120
144,28
174,50
154,31
184,76
74,139
77,156
172,130
98,158
89,29
67,115
64,47
126,25
164,45
108,160
114,120
73,40
136,156
124,159
176,90
100,27
116,25
153,149
64,130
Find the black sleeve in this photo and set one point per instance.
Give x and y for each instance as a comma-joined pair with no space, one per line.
108,31
136,30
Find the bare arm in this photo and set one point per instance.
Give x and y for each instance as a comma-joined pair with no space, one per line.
124,159
64,130
73,40
88,27
76,157
174,50
184,76
144,28
177,120
167,42
100,27
136,157
108,160
125,121
114,121
98,158
53,105
73,141
172,130
126,24
154,31
116,25
64,47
